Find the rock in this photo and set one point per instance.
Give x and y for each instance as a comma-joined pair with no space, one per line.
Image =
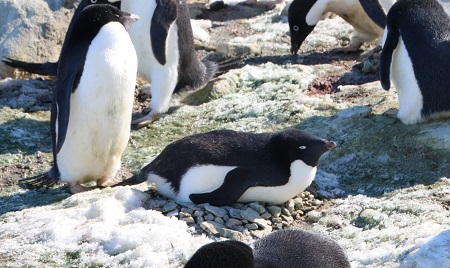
266,215
275,211
232,223
209,217
219,220
231,234
251,226
354,112
250,215
230,50
258,208
290,206
212,227
169,207
262,223
189,220
236,213
313,216
217,211
370,218
32,31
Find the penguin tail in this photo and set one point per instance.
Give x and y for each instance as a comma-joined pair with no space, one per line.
46,68
226,65
136,179
45,180
211,69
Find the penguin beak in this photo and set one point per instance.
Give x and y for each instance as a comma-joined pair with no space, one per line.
329,145
129,19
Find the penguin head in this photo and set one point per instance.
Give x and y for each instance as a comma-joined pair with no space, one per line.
97,2
298,27
293,144
94,17
225,254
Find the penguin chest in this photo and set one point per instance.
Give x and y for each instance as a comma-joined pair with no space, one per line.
100,108
405,82
301,177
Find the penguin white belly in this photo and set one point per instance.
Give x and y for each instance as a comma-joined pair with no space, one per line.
301,177
409,96
352,12
200,179
101,107
163,78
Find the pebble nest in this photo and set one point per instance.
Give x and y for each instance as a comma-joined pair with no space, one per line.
240,221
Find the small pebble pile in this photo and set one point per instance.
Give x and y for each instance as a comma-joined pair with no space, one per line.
239,221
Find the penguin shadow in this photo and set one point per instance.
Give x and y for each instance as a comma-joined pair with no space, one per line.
32,198
376,154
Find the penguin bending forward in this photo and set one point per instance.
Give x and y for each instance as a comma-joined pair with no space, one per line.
93,99
366,16
165,47
51,68
416,56
280,249
223,167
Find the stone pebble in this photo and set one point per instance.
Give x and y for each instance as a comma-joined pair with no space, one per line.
240,221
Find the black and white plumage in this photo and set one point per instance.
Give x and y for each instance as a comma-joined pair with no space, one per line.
366,16
166,54
416,56
224,166
51,68
280,249
93,99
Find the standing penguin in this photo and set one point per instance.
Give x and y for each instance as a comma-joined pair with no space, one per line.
416,55
93,99
165,47
280,249
224,166
50,68
366,16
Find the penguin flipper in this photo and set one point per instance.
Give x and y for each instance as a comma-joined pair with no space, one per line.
48,179
164,16
236,182
375,11
46,68
136,179
390,44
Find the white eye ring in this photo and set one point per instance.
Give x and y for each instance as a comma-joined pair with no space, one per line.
93,1
302,147
295,28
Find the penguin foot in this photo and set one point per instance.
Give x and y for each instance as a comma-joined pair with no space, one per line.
75,188
144,121
102,181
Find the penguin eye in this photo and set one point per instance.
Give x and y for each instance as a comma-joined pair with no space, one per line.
93,1
295,28
302,147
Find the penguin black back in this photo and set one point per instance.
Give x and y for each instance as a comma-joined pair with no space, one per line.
424,28
193,74
225,254
298,248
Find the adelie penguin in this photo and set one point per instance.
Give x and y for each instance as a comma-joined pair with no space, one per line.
93,99
280,249
167,58
416,56
366,16
224,166
50,68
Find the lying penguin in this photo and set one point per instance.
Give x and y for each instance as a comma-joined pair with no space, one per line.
93,99
50,68
284,248
416,55
366,16
224,166
167,58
